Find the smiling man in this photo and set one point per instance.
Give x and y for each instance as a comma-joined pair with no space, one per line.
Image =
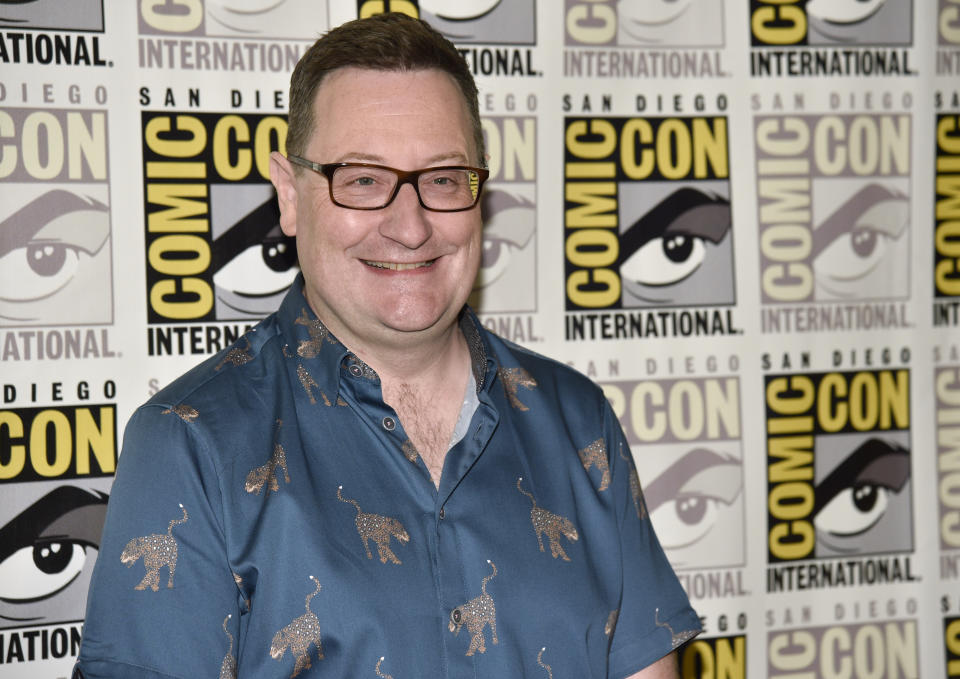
369,483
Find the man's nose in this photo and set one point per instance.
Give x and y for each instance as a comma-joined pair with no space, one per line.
406,221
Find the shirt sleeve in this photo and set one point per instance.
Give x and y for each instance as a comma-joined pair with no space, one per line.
655,616
163,601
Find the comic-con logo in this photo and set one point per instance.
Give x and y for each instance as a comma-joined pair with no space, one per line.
834,207
886,649
76,15
644,23
947,208
56,264
467,22
215,250
248,19
507,281
947,387
647,213
56,468
687,434
776,23
838,464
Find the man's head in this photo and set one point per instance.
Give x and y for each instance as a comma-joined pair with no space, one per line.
392,273
383,42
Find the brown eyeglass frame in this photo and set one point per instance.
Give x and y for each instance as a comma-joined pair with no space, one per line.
411,177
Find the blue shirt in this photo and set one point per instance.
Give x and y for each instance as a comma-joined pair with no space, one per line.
270,518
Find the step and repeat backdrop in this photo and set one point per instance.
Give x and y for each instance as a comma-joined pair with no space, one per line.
740,217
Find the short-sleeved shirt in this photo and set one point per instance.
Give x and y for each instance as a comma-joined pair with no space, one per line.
270,518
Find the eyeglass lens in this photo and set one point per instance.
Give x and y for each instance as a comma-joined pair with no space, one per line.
370,187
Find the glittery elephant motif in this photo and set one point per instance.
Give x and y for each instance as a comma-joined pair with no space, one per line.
379,529
513,379
595,455
228,668
266,474
552,525
476,614
158,551
298,635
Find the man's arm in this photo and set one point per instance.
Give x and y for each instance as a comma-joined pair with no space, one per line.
665,668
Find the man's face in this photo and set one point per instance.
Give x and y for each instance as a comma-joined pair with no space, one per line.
383,276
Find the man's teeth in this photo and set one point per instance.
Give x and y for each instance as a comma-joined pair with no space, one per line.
395,266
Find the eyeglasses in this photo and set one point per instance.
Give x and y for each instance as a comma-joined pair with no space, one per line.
363,186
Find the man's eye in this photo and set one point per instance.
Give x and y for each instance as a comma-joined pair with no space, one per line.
365,181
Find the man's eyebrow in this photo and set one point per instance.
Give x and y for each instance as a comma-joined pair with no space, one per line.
448,157
26,527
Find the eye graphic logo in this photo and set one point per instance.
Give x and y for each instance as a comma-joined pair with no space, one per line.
696,505
838,464
55,257
47,553
507,277
252,261
283,19
469,22
76,15
674,23
685,436
859,21
862,495
680,250
860,250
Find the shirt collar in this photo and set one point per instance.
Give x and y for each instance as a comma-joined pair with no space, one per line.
308,340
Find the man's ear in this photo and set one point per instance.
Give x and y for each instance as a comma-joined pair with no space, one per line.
284,181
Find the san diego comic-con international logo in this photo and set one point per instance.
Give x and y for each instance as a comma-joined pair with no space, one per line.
834,220
215,251
951,636
831,37
838,477
56,263
647,216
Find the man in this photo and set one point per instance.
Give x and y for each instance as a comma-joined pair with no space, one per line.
369,483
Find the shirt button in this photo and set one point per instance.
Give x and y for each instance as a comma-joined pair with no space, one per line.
355,370
389,423
441,512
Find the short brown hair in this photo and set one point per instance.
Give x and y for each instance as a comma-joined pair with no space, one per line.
383,42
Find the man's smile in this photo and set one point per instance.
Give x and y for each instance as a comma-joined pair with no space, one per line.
398,266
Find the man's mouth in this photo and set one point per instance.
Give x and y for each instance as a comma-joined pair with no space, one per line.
398,266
